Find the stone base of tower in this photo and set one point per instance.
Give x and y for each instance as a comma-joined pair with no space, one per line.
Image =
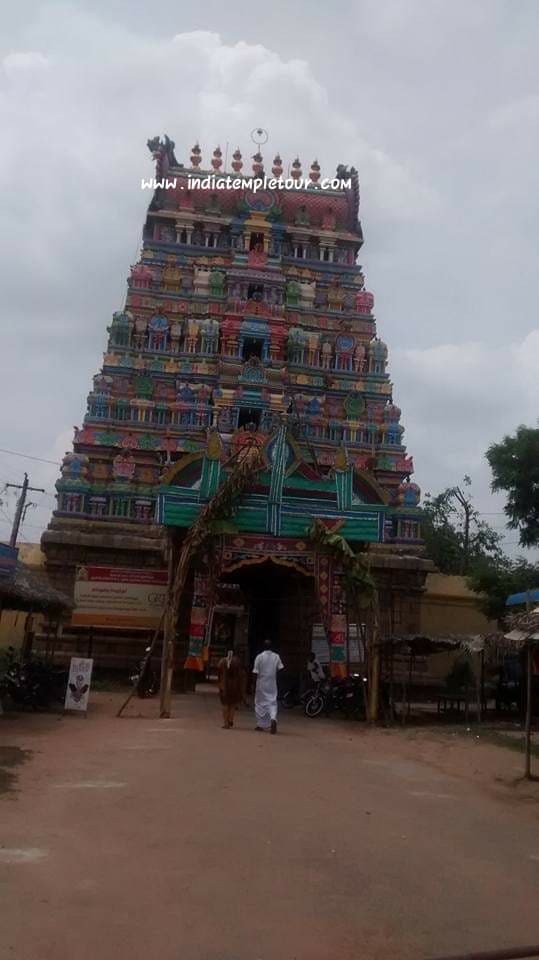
69,543
267,587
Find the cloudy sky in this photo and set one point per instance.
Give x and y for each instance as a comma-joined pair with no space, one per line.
436,103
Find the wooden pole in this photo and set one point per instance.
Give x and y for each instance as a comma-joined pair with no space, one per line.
410,675
528,728
403,699
167,651
364,664
374,692
145,663
479,687
347,643
90,648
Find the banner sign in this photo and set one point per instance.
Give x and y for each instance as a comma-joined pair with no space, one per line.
8,561
119,597
319,645
78,684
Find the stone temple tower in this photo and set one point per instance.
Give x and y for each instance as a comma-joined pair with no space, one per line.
246,319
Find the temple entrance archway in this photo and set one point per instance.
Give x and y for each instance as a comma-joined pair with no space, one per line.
280,603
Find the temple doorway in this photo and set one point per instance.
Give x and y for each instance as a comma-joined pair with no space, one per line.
280,605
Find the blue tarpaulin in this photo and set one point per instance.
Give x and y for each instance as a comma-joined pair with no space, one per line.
516,598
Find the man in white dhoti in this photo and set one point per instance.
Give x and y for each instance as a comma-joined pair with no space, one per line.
265,669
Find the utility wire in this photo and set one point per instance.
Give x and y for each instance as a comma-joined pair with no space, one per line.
27,456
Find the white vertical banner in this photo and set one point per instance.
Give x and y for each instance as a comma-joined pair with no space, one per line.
319,644
78,684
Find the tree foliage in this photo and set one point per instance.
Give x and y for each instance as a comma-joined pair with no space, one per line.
496,580
515,468
455,536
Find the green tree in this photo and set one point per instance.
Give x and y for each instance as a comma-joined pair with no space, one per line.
455,536
496,580
515,468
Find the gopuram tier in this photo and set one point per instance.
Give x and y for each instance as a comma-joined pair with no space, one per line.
246,320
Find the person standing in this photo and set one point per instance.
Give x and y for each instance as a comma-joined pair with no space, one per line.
231,686
315,670
266,666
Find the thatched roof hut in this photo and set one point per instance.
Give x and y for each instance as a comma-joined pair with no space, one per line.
30,591
524,628
424,644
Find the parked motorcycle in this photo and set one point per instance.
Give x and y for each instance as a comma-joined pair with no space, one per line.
145,679
345,696
34,683
294,698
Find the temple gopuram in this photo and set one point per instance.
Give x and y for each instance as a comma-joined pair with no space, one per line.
247,321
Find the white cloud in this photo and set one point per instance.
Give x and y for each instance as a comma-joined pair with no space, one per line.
23,62
460,399
449,194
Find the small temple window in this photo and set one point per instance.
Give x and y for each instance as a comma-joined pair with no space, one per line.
98,506
255,291
253,347
249,419
300,252
72,503
121,507
160,416
183,236
100,409
143,510
197,237
256,242
122,412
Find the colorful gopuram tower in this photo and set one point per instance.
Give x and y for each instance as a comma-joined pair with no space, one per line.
246,320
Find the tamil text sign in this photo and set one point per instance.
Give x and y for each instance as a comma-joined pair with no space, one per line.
119,597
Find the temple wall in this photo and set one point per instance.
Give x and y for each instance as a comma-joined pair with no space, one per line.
449,606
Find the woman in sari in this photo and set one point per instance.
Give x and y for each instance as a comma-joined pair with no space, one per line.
231,686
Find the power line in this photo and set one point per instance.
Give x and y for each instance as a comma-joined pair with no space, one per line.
27,456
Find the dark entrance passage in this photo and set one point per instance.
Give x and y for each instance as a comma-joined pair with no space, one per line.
282,607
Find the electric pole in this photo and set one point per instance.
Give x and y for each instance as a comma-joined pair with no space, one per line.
24,488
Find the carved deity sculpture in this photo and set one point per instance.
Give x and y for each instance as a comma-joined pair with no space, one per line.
307,292
335,296
201,281
193,328
360,354
75,466
302,216
139,338
327,354
364,302
292,293
123,467
328,219
313,342
171,277
176,332
217,283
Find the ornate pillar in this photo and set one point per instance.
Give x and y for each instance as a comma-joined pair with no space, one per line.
197,654
333,612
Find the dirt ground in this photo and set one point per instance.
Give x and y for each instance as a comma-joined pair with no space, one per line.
138,838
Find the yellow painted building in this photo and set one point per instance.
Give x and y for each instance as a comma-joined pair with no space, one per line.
449,606
13,622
